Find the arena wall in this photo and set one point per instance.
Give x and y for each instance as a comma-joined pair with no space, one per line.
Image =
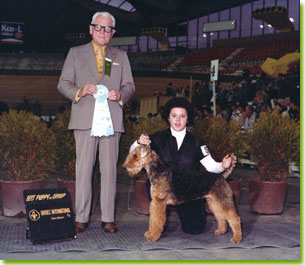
14,88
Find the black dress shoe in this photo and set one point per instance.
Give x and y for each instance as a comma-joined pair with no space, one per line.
80,227
109,227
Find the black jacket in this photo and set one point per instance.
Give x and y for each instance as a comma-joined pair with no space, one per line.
187,181
186,158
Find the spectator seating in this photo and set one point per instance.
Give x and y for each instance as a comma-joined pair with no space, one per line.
31,61
261,50
233,57
205,56
151,60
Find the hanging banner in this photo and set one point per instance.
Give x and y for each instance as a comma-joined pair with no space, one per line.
12,32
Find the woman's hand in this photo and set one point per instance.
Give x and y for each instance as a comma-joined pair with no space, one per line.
228,161
144,139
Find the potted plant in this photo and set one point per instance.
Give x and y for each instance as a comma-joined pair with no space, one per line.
66,157
222,138
27,151
273,144
142,202
133,132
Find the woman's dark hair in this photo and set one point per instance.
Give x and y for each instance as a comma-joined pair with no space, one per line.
179,102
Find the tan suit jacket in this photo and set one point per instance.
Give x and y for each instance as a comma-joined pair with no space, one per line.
80,68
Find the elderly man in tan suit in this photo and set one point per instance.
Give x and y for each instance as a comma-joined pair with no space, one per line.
86,67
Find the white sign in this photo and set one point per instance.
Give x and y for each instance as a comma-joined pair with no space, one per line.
219,26
132,40
214,70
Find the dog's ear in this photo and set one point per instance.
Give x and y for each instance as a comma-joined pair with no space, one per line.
144,151
133,147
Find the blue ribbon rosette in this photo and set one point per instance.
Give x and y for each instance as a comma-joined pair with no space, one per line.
102,123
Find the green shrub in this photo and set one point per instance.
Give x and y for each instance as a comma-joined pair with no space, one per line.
65,145
273,143
27,147
221,137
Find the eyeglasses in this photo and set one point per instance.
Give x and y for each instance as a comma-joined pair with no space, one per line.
98,27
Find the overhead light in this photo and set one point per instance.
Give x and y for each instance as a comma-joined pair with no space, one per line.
261,26
204,35
270,26
211,33
291,19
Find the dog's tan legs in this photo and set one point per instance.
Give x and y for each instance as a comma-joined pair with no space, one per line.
157,217
220,218
234,222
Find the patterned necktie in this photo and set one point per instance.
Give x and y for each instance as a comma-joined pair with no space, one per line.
100,60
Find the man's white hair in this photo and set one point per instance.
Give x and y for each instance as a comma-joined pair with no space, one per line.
104,14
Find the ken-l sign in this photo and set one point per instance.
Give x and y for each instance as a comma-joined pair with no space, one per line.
12,32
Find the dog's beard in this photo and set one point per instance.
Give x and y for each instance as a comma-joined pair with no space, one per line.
132,172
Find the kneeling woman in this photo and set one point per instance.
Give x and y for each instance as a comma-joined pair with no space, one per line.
182,151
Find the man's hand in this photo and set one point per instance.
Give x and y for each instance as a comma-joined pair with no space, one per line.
114,95
88,89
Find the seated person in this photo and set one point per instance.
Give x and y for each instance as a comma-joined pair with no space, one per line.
247,118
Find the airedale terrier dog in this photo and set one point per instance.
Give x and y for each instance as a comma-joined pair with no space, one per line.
164,192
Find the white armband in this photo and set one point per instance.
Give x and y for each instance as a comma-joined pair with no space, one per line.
211,165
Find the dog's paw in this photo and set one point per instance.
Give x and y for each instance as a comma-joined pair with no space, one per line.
151,237
219,232
235,239
147,234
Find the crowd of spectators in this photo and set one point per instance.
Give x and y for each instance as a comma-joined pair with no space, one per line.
241,101
177,92
244,101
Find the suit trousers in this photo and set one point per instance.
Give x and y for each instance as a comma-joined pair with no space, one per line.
86,150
